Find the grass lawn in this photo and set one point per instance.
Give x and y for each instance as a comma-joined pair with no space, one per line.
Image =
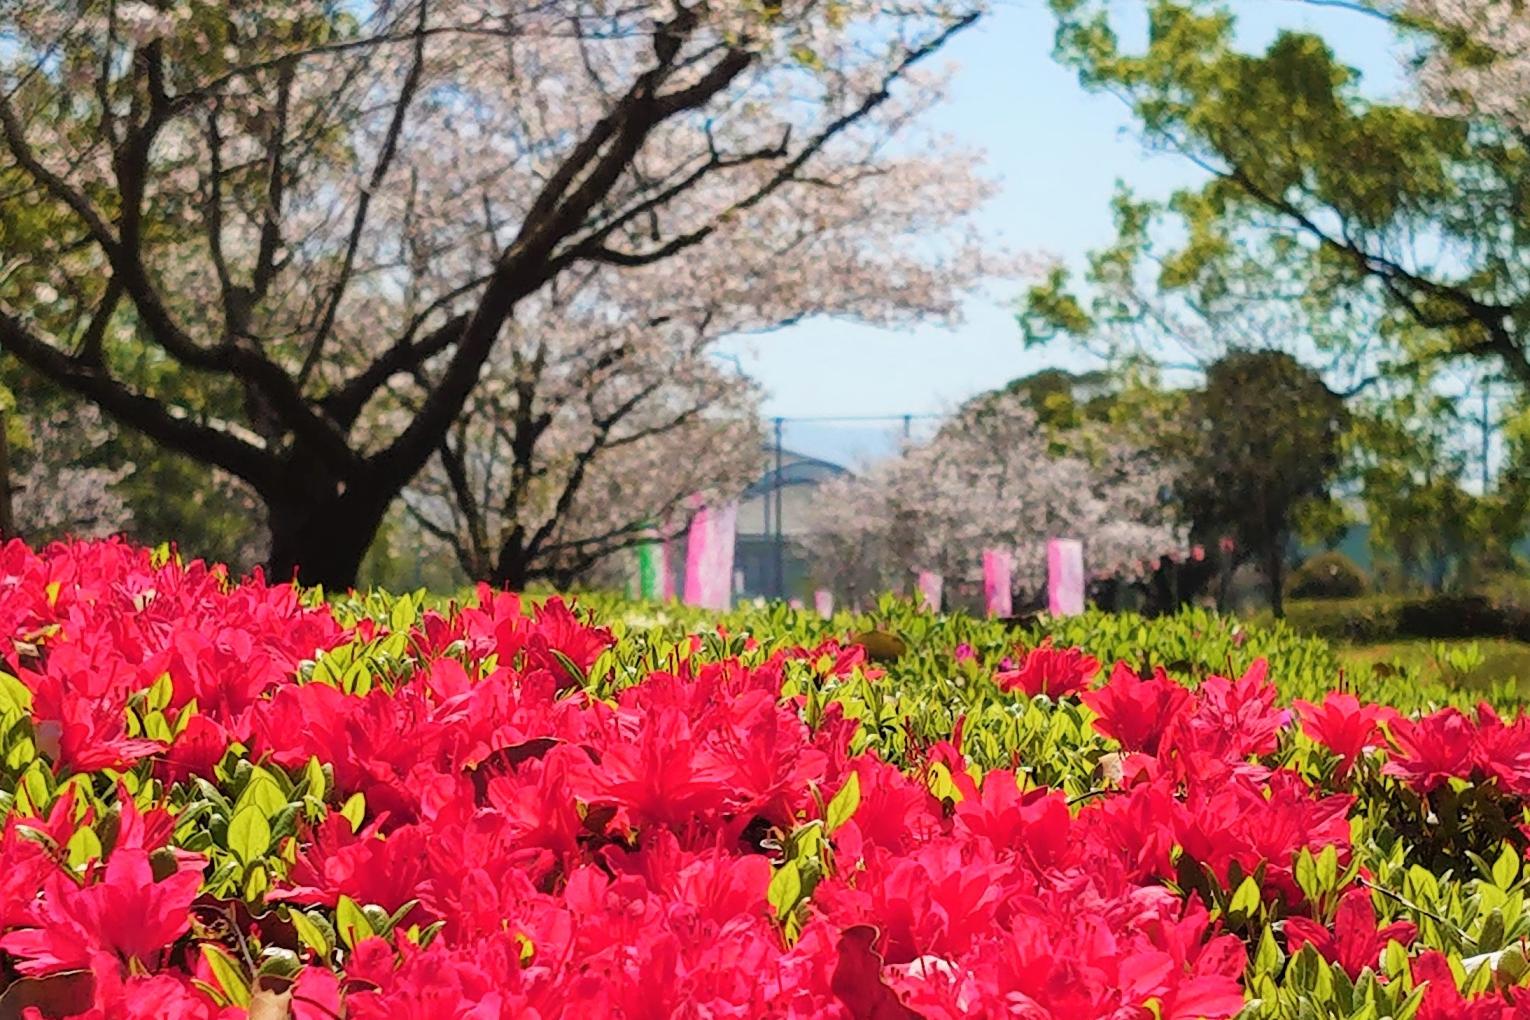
1473,663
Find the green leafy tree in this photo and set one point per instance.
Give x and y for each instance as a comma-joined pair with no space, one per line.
1410,214
1262,440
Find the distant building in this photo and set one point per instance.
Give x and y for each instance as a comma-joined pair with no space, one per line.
773,515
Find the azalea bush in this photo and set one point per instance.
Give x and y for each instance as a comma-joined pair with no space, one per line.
1192,644
226,798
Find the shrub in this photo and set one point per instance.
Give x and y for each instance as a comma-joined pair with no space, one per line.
1361,621
1461,616
1328,575
1389,618
222,800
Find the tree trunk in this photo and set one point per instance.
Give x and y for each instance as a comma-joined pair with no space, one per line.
1225,567
512,568
7,517
1275,573
324,541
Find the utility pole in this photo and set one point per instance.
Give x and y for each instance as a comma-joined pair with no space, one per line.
767,495
780,548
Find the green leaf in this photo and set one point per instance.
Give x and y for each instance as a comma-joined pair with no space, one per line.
279,963
570,667
785,889
84,846
1328,868
351,923
402,616
313,774
391,921
354,810
161,692
249,834
256,882
942,785
15,696
262,791
843,804
1306,874
1246,901
1506,868
1267,958
230,975
310,933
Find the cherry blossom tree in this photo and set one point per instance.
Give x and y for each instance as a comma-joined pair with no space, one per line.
583,446
286,238
607,409
989,478
1479,64
57,491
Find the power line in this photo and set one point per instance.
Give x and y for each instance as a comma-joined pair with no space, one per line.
853,417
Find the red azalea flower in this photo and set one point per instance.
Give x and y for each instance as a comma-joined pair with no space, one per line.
1443,999
556,628
1344,726
1035,824
363,866
1501,752
1355,943
120,910
1232,721
1051,671
78,709
195,750
26,856
1137,712
1431,751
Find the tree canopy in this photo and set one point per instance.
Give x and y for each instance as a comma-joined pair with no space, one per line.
1404,216
285,238
1263,437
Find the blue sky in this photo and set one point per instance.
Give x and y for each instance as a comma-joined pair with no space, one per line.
1057,152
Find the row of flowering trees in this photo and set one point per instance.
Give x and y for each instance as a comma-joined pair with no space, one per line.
993,476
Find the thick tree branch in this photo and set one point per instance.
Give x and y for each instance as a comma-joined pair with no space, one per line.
345,404
227,446
121,251
364,202
526,264
593,248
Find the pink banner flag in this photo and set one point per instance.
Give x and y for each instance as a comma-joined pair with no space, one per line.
666,573
823,602
709,557
1065,576
997,565
930,586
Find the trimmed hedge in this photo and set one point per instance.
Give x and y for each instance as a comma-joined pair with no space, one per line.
1390,618
1329,575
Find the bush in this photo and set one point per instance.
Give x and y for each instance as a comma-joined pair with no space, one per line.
1461,616
1390,618
227,799
1328,575
1356,621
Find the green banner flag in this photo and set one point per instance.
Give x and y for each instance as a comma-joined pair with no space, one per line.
650,563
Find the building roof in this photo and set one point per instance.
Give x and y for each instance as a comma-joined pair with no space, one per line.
796,469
